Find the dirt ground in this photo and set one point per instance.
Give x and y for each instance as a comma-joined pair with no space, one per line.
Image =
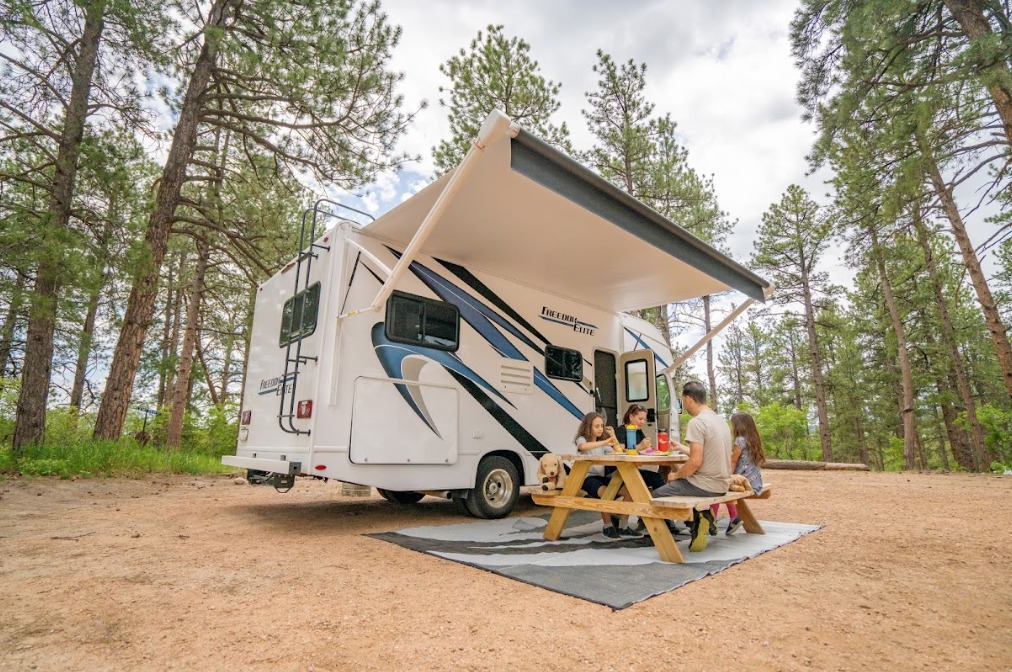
912,571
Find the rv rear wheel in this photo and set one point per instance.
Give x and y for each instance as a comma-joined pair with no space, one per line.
399,497
496,488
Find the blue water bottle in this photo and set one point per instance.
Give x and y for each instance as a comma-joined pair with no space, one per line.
630,437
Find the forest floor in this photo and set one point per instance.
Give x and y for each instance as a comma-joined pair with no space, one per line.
911,571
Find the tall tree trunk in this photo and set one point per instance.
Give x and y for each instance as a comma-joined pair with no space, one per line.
30,424
949,337
906,375
992,318
817,380
179,299
163,376
215,399
247,336
10,322
995,73
84,348
862,446
711,376
959,440
795,375
141,305
943,455
181,392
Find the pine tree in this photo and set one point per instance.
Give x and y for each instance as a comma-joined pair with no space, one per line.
496,72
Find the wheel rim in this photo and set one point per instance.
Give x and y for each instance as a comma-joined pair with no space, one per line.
498,487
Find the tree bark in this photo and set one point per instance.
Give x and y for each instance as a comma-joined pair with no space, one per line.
999,335
141,304
10,322
994,74
30,423
163,376
181,391
949,336
84,349
906,375
711,376
817,380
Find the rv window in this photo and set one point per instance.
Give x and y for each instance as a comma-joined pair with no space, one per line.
420,321
636,380
563,363
298,320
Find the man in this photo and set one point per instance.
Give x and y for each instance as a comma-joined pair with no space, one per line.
707,473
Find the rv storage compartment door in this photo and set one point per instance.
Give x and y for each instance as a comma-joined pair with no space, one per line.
386,428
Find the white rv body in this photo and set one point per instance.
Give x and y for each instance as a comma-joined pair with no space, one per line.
453,329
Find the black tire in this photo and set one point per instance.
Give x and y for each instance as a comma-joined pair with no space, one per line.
496,488
399,497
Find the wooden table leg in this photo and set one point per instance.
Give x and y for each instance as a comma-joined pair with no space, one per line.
574,483
658,529
748,520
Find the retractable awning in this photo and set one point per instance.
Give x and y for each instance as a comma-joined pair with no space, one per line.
525,211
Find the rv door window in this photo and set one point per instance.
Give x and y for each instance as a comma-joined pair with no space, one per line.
298,320
636,380
663,394
563,363
421,321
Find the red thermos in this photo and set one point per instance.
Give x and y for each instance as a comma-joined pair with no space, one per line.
662,441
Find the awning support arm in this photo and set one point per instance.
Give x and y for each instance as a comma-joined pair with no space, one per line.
493,129
706,339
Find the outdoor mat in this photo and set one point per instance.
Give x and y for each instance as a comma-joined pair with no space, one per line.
582,563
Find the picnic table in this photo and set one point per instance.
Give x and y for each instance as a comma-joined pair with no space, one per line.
653,511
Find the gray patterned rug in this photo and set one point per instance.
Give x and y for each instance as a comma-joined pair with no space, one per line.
582,563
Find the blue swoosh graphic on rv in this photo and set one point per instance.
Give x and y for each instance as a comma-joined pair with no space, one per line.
404,362
640,341
480,317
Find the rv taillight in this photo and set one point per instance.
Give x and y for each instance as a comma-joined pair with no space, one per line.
320,467
245,417
305,409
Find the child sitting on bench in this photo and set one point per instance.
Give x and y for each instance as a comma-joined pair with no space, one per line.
593,438
747,457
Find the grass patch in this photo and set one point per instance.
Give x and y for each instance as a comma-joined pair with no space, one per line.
124,457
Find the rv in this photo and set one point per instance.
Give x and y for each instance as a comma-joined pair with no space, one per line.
446,346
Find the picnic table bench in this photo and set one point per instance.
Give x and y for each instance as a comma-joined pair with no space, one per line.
653,511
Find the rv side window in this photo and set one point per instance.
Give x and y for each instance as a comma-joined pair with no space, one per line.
636,380
563,363
420,321
298,319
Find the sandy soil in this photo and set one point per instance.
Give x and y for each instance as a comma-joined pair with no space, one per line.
912,571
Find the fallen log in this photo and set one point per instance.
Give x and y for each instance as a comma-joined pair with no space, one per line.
815,466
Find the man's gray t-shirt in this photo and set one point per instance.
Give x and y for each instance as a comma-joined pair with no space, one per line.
711,430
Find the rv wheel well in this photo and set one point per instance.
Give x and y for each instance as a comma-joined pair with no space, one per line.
514,458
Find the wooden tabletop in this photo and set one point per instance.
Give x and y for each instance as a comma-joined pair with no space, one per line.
642,458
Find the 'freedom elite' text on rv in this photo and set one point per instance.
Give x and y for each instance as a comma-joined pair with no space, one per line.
446,346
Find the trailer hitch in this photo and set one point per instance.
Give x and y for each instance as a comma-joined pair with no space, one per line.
281,482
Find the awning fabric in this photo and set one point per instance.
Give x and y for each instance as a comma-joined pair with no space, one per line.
529,213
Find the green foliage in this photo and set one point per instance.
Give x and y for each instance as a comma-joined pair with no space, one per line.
784,430
997,426
87,457
496,72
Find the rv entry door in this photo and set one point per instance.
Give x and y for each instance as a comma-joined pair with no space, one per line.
636,386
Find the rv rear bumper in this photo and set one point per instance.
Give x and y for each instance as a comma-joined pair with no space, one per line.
260,464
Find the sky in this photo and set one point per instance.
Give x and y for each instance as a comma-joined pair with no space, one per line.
723,70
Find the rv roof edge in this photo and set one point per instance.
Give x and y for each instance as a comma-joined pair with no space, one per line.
496,126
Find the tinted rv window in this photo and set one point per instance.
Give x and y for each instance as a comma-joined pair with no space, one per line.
298,321
420,321
563,363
